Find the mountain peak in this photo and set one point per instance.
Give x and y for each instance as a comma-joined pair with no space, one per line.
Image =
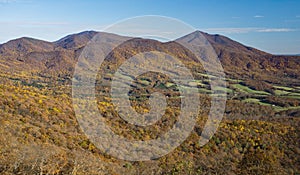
77,40
25,45
194,34
222,42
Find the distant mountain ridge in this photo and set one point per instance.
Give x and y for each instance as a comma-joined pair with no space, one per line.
59,57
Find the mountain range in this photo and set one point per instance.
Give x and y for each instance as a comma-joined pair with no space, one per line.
59,57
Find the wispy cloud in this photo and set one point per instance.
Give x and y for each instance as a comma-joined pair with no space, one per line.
258,16
235,17
298,16
33,23
276,30
247,30
230,30
7,1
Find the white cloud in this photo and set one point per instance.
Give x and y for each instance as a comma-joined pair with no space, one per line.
247,30
276,30
258,16
230,30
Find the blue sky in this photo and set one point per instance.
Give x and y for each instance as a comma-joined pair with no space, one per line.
270,25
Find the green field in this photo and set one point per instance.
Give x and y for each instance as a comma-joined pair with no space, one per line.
207,75
234,80
284,88
218,88
246,89
281,92
276,108
254,100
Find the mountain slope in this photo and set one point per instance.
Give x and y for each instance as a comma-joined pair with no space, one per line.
242,62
